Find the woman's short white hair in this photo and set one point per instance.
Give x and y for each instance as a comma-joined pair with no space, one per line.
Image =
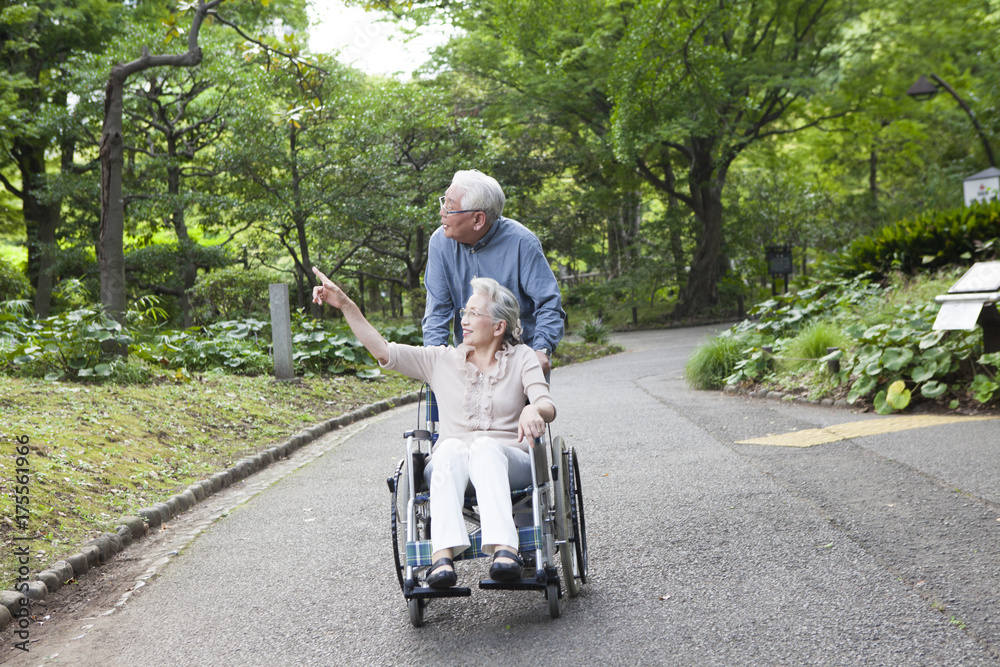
503,307
480,192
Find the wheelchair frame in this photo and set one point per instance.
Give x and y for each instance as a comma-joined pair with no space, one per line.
555,501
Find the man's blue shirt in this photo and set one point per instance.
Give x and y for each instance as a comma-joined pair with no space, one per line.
512,255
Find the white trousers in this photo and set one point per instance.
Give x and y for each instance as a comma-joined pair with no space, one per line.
494,469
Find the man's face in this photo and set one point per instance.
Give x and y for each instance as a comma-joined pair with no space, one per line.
465,227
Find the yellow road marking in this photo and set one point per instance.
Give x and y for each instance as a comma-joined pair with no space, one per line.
820,436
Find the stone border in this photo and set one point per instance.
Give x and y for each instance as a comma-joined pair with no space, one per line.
781,396
129,529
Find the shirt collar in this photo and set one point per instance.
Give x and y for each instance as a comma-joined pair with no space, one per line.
483,242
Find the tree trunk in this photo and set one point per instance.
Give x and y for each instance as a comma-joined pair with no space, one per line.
301,216
873,177
623,231
41,220
188,269
701,289
111,239
415,293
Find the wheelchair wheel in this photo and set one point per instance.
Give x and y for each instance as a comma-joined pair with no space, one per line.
576,513
552,593
400,519
416,606
397,513
565,527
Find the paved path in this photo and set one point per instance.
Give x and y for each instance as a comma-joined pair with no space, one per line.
879,549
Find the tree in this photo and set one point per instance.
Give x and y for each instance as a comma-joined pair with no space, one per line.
38,41
111,252
111,235
697,83
539,73
297,171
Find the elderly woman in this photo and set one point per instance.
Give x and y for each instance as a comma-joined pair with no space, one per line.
494,401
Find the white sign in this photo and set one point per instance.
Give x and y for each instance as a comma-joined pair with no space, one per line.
982,187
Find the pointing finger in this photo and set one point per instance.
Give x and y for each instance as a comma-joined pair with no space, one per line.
323,278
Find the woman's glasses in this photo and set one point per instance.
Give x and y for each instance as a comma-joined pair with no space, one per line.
471,312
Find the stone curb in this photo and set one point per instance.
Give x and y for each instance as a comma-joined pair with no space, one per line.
788,398
14,604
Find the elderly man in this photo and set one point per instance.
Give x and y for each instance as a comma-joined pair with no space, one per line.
475,240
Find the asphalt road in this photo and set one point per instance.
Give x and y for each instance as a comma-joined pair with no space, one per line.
876,550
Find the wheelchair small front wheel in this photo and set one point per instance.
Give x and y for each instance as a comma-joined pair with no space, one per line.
552,593
416,606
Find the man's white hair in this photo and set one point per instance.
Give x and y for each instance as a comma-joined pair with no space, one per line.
480,192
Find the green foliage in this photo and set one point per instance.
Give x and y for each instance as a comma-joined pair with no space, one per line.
161,263
713,362
13,283
755,365
68,345
325,347
812,342
233,346
896,397
926,242
595,331
906,349
888,357
231,292
320,349
785,315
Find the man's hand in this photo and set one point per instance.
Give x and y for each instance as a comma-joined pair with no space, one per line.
543,359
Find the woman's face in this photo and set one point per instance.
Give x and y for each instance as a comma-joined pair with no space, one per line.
478,328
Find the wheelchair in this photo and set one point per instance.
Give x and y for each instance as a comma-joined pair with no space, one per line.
555,539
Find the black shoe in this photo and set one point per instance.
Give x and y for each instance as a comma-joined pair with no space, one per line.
439,577
506,571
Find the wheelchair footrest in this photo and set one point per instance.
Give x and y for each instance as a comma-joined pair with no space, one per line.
428,592
531,584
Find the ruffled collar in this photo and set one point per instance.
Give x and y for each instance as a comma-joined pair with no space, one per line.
495,372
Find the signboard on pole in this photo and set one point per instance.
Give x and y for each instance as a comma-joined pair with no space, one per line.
982,187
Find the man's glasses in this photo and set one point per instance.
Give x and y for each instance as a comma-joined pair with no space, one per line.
464,210
471,312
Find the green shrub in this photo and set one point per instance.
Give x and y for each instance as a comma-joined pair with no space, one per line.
812,342
928,242
595,331
783,316
230,293
328,347
68,345
13,283
234,346
714,361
